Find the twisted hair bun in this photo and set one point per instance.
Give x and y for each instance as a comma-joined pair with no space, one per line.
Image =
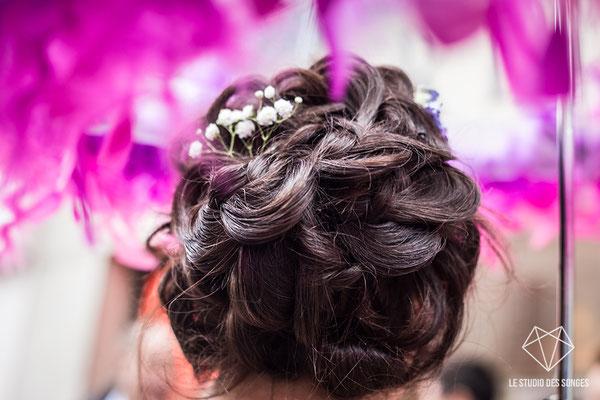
342,253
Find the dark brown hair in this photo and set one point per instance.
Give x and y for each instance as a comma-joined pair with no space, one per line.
343,253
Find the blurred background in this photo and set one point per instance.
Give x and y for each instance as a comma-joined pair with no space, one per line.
99,97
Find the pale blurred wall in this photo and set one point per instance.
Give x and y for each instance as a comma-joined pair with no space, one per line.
49,312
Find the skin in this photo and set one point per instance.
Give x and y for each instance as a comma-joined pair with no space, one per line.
260,387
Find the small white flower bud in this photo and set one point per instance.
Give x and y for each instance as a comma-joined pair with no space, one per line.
236,115
298,99
225,117
244,129
266,116
284,108
259,94
247,111
195,149
212,131
269,92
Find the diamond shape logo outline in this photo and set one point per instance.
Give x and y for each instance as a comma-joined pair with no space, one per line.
537,334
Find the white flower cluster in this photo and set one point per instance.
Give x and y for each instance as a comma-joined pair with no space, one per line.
243,123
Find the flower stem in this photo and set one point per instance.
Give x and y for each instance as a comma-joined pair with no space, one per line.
216,150
248,146
231,142
268,135
222,141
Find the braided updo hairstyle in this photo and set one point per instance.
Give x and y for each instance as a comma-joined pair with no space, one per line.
342,253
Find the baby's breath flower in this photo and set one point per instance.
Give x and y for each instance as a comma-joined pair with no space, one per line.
225,117
284,108
266,116
245,122
244,129
237,115
269,92
247,111
212,131
195,149
199,131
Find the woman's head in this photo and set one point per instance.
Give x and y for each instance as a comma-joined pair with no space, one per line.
342,253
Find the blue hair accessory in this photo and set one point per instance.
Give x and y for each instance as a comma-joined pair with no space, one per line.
429,99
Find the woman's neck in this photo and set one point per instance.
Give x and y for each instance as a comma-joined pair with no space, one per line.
261,387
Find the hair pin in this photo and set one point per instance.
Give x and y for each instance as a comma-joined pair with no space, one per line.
429,99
